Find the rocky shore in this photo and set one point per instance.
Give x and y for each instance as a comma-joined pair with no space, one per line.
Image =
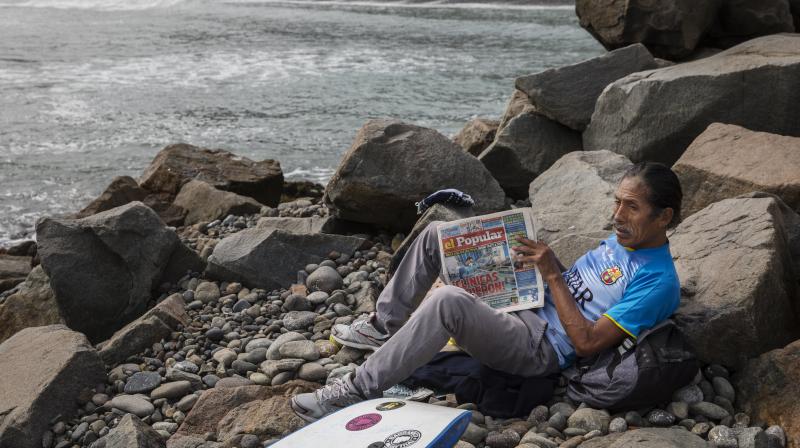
183,309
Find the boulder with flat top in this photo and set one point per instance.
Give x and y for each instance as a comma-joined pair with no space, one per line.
738,286
177,164
391,165
726,161
204,203
655,115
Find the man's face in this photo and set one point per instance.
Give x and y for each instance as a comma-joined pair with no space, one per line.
635,223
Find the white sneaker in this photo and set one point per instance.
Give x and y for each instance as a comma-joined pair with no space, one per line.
361,334
338,394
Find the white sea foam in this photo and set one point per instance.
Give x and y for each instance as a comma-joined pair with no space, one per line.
392,4
100,5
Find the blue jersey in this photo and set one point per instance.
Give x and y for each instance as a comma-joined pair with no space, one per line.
636,289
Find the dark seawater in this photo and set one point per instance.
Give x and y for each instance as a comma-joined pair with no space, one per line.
92,89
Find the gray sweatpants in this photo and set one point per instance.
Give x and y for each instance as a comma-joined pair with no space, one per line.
509,342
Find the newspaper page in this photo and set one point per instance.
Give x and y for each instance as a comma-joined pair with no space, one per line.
476,256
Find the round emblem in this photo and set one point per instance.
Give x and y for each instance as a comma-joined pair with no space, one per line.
390,405
363,422
402,439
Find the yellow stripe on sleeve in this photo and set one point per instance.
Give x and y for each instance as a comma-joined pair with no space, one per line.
620,326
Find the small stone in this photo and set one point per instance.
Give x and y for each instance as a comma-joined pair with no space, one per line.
701,429
539,414
142,382
557,421
296,302
299,349
505,439
716,370
634,419
260,379
232,381
590,419
747,437
187,403
687,423
325,279
661,418
173,390
618,425
243,367
317,297
709,410
186,366
775,436
79,431
724,403
347,355
326,348
592,434
474,434
133,404
100,399
741,419
342,309
210,380
273,352
169,427
723,388
679,409
282,378
299,320
565,409
535,439
312,372
250,441
572,432
722,437
690,394
225,356
207,292
256,344
215,334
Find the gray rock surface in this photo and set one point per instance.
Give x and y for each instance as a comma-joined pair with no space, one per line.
636,115
648,438
156,324
324,278
44,369
476,135
670,29
568,93
32,305
241,256
175,165
737,280
137,405
131,433
103,268
589,419
13,270
310,225
726,161
391,165
204,203
528,145
741,20
573,201
120,191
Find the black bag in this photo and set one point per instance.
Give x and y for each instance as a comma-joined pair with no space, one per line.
637,373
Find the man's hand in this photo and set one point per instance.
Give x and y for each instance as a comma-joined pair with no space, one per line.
541,255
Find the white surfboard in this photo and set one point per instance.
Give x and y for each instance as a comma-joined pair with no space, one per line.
383,423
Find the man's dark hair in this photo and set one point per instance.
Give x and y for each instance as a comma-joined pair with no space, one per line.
663,187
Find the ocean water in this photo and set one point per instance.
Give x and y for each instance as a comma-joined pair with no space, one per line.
92,89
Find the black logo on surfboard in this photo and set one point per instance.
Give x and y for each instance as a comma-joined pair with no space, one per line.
402,439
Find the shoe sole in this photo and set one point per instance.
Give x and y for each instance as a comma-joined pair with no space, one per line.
354,344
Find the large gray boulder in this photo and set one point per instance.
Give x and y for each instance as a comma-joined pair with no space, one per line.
649,438
131,433
44,371
476,135
670,29
568,94
176,165
32,305
573,201
655,115
13,270
156,324
269,258
726,161
768,390
391,165
525,148
738,288
204,203
740,20
103,268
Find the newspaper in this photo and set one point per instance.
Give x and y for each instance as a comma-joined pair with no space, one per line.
476,256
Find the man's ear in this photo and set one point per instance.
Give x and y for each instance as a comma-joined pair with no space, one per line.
666,217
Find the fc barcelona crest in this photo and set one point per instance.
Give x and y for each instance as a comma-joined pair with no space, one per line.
611,275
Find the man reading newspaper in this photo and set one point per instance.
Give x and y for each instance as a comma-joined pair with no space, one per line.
622,287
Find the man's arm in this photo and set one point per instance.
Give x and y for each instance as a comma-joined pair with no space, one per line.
587,337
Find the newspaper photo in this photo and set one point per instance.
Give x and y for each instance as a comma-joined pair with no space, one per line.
476,256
